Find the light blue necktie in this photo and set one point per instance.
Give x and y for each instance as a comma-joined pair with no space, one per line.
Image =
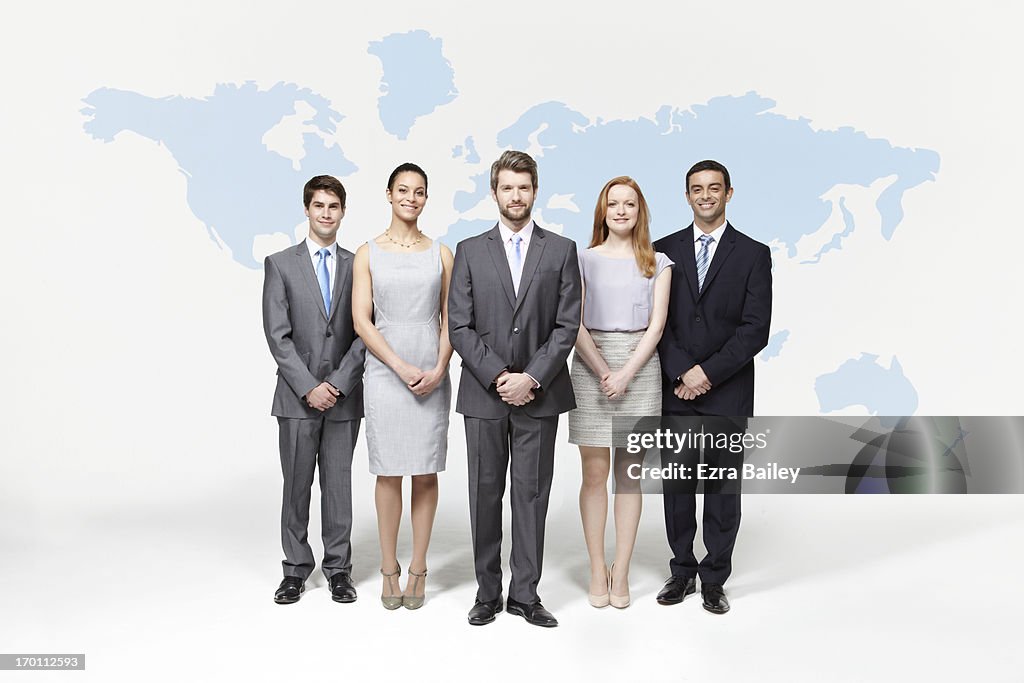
323,274
703,260
517,261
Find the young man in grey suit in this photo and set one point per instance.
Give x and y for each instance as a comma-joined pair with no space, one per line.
307,317
513,315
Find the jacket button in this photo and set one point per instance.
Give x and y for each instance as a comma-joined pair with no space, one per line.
329,333
698,318
515,330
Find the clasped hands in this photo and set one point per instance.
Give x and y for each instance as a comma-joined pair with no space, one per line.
323,396
421,382
515,388
694,384
615,382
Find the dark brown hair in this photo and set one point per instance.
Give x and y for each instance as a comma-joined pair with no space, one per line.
326,183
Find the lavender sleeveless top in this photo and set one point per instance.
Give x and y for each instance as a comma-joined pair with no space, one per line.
618,297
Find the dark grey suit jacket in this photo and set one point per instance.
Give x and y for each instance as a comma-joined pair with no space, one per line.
492,329
309,346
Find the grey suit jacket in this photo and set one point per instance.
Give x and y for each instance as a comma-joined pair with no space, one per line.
308,345
492,329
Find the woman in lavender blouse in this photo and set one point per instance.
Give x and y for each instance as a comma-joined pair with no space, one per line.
625,304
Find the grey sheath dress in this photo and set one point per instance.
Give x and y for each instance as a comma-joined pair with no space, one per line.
406,434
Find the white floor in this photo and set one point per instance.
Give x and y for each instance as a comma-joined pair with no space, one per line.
176,585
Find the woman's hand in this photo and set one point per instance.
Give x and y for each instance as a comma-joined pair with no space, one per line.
429,381
614,383
410,374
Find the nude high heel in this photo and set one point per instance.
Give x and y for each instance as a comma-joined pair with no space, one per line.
415,601
600,601
616,601
391,601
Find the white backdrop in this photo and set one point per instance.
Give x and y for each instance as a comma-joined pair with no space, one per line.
140,482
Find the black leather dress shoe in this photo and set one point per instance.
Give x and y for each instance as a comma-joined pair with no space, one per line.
714,598
534,613
290,590
675,589
342,589
483,612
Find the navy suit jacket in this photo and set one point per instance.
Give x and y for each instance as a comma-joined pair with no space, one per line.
722,327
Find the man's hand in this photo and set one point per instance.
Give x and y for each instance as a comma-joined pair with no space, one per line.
614,383
529,397
696,381
324,396
684,393
515,388
429,381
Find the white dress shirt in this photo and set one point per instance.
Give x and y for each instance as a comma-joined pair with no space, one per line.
510,250
510,253
713,247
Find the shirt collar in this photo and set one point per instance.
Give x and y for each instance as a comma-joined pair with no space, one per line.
716,233
506,232
314,248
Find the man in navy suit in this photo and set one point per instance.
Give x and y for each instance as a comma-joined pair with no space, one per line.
718,318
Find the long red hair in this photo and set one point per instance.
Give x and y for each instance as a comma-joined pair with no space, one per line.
642,247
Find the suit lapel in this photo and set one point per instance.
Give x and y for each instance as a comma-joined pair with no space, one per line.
689,260
305,265
533,254
721,253
340,274
497,250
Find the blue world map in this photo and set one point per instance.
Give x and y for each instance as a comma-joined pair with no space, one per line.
787,166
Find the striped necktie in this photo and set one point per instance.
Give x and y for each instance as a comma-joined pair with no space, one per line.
703,260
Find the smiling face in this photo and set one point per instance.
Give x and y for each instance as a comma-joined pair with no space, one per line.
408,196
325,213
622,210
707,196
515,194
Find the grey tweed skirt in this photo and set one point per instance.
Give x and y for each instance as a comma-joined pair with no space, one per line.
590,423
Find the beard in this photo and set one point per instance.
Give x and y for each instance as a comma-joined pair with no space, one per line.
516,214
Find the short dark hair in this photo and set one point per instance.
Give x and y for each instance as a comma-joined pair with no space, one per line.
708,165
407,167
512,160
327,183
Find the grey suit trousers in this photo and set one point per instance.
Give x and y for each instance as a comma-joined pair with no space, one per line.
306,444
530,444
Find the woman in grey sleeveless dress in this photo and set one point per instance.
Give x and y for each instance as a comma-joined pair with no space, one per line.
399,306
616,371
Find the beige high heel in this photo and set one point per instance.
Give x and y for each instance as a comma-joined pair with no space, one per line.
600,601
616,601
415,601
391,601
